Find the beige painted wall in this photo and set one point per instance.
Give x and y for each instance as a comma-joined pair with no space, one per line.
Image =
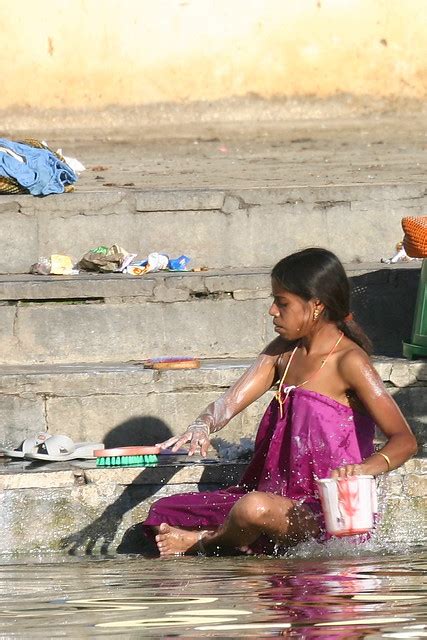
91,53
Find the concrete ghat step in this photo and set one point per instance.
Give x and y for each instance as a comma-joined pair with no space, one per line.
88,510
223,227
127,404
110,318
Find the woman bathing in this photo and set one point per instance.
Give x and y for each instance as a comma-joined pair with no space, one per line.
320,423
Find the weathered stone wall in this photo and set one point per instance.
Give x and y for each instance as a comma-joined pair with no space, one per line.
127,404
139,51
238,228
88,511
121,318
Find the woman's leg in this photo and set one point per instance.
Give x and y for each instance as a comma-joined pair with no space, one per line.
176,541
256,513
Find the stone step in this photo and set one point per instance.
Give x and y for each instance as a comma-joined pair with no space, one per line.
219,227
84,510
116,318
125,404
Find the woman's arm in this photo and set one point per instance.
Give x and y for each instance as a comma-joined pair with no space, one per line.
359,374
249,387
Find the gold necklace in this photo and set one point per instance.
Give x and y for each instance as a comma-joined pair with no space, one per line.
289,388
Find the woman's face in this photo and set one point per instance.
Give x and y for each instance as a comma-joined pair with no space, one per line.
291,314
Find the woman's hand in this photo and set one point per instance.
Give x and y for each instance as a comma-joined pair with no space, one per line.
197,434
347,470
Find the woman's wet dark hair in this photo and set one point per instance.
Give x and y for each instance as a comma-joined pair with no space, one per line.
318,273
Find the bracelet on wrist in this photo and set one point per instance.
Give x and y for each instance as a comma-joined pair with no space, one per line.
199,427
386,458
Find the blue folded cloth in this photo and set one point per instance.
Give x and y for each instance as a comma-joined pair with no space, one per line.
38,170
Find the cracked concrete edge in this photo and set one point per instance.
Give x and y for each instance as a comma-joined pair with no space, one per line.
180,200
114,201
126,379
121,476
313,214
140,200
167,286
411,478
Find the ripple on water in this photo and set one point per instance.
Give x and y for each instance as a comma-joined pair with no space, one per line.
310,593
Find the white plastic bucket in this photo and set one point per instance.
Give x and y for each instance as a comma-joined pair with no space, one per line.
348,504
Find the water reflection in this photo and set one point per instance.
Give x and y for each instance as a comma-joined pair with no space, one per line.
338,598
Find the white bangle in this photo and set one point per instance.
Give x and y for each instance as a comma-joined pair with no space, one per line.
202,426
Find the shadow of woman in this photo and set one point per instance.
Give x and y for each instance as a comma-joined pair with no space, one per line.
145,430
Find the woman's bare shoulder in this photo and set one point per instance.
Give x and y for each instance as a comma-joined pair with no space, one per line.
278,347
279,351
352,360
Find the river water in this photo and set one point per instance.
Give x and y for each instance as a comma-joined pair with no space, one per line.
336,591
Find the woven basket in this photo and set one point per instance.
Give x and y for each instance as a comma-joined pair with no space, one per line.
32,142
415,239
10,186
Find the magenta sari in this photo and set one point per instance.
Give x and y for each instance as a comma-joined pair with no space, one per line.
314,435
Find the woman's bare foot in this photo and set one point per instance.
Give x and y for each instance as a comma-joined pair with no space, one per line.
247,551
172,541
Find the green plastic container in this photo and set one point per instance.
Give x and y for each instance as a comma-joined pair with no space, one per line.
417,348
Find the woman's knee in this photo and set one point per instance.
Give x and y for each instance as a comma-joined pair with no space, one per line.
257,509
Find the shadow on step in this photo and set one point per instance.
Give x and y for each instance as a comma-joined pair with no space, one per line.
101,533
383,303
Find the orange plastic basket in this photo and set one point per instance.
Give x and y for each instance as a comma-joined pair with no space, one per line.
415,239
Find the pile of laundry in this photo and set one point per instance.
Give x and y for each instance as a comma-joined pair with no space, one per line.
112,259
30,166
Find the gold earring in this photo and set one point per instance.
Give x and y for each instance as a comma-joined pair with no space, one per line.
316,314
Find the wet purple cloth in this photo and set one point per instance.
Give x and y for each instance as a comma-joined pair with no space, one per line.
314,435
